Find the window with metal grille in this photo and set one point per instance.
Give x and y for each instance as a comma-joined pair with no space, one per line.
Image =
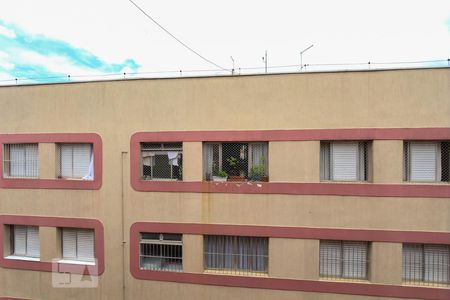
344,259
235,161
426,161
344,161
77,244
20,160
236,254
161,252
162,161
75,161
25,241
426,264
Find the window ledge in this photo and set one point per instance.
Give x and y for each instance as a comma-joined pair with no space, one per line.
76,262
18,257
339,279
233,273
74,178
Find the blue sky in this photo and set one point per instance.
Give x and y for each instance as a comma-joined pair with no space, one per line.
49,38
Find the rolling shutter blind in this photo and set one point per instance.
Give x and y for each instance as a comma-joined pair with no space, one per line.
423,161
20,240
330,258
344,161
412,262
24,160
436,263
354,260
33,244
26,241
75,160
85,245
69,243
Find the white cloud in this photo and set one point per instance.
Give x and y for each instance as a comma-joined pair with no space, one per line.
53,63
7,32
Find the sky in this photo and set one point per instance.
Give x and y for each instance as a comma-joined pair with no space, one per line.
47,40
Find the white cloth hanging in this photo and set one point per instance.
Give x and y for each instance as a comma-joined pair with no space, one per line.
90,174
173,158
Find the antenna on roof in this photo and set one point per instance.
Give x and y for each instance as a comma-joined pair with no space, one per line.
301,56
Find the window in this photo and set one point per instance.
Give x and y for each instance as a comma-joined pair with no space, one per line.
25,241
20,160
427,161
75,161
426,264
236,254
161,252
344,259
344,161
77,244
235,161
162,161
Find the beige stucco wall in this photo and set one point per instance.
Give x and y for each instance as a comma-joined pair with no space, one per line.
116,110
387,158
294,258
385,265
294,161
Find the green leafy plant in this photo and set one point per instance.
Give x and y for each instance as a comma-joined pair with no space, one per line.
232,162
222,173
257,171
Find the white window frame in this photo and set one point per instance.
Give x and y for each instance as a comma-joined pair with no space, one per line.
160,243
31,243
408,167
208,169
420,265
150,153
361,163
70,149
238,255
342,266
30,165
76,247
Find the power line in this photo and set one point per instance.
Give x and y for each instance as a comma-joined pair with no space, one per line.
178,40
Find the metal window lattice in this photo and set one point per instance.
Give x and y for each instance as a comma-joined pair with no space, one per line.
161,161
20,160
161,252
345,160
426,161
236,255
236,161
344,259
426,264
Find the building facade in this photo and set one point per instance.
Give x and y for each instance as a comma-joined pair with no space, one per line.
287,186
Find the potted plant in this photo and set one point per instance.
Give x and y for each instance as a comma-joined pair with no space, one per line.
234,172
221,176
258,171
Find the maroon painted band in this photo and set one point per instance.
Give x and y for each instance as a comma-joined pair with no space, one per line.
323,188
366,289
45,266
32,183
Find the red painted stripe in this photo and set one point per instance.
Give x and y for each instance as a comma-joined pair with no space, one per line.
367,289
338,189
296,135
56,183
53,222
